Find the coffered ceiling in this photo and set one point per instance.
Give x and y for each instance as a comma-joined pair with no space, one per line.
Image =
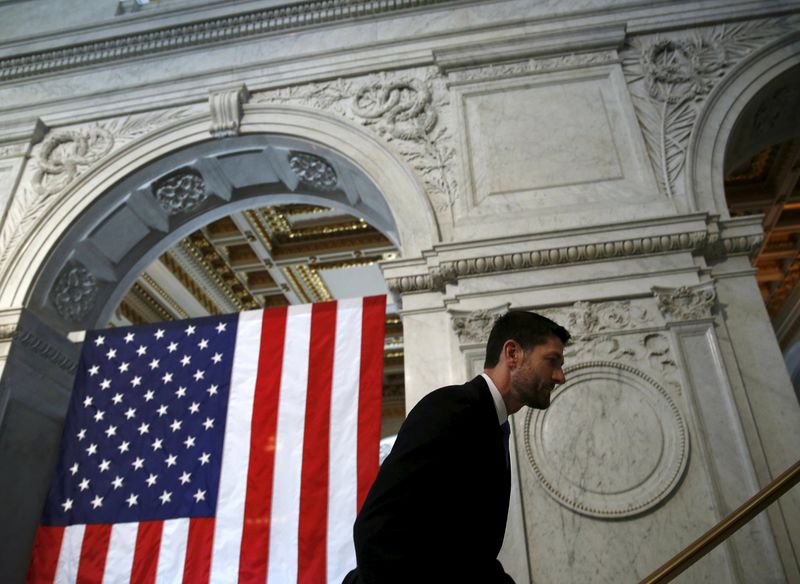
272,256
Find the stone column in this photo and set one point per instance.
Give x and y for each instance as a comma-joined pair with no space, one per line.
34,394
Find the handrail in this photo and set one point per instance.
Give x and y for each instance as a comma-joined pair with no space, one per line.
727,527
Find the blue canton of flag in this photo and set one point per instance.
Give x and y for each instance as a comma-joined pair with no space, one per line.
145,427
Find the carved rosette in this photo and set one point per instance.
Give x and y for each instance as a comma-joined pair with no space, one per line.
687,302
313,170
473,327
74,292
66,154
181,191
612,444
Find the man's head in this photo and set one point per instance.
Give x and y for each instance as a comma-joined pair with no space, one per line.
524,356
526,328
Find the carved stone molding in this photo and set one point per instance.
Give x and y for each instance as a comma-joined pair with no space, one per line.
669,78
313,170
534,65
204,32
181,191
29,340
712,246
74,292
612,444
687,302
473,327
572,254
430,282
226,109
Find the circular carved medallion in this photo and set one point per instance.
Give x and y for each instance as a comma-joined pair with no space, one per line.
611,444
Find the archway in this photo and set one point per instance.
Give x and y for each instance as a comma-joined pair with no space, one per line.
84,253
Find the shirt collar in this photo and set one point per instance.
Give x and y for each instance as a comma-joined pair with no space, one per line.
499,404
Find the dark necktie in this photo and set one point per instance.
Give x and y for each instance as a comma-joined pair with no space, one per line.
506,433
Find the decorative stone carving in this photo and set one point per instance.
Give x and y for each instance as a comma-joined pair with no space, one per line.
313,170
670,77
573,254
686,302
589,318
405,110
430,282
74,292
7,331
65,154
534,65
711,246
44,349
226,109
473,328
398,109
181,191
204,32
612,443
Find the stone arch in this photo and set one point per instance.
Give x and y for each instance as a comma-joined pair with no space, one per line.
736,92
238,171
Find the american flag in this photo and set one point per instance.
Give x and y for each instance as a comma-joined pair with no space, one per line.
222,449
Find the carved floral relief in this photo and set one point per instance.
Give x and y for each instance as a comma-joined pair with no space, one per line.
670,76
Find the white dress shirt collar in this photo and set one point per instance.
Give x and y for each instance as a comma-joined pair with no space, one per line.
499,404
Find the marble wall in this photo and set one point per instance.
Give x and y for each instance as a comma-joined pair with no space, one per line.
563,157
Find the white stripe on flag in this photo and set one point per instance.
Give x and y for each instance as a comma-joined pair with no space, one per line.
344,440
285,519
70,556
236,450
172,554
121,547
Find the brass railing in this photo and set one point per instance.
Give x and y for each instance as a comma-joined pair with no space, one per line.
725,528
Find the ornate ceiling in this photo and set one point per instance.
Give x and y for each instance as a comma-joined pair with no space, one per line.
768,183
272,256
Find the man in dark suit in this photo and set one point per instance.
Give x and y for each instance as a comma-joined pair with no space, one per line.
437,510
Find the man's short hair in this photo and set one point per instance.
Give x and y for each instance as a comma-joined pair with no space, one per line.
526,328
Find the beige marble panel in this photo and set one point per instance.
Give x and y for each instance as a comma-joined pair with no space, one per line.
538,136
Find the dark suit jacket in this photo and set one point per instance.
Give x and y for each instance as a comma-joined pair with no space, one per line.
437,510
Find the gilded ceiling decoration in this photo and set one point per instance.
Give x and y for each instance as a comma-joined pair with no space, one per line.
768,184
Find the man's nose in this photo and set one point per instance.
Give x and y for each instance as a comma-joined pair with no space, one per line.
559,377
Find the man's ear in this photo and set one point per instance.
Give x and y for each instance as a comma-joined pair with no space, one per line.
511,353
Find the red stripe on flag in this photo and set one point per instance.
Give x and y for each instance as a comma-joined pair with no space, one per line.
197,567
46,548
145,558
93,553
254,552
370,393
313,521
